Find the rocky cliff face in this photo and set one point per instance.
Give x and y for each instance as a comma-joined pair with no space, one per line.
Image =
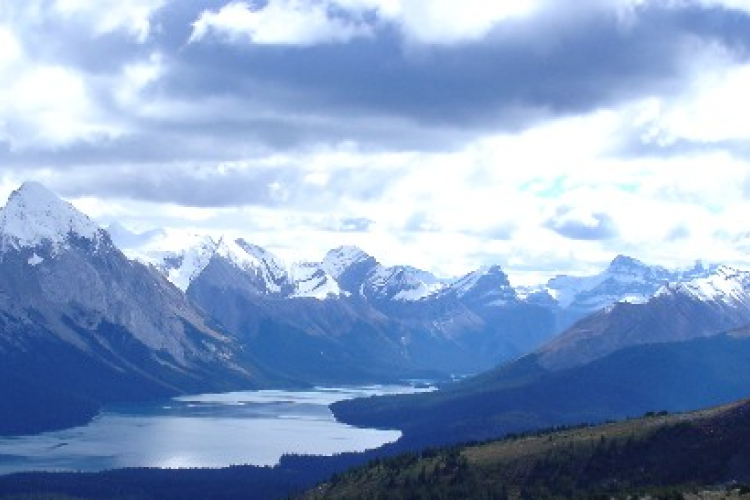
109,328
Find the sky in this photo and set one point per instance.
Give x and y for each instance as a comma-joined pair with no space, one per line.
544,136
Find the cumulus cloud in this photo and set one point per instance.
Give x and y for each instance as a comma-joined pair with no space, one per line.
50,103
50,107
579,224
107,16
279,22
712,111
740,5
293,22
445,22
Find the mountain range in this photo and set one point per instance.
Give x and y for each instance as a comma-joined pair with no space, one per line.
90,316
409,322
686,347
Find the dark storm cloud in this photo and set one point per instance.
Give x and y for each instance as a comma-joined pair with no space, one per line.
381,95
377,92
507,79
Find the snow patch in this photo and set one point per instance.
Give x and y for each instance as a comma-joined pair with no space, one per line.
35,260
422,291
725,284
311,281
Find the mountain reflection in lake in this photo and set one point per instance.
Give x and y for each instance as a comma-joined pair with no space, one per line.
206,430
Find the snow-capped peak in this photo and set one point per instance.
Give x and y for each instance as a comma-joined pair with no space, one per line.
470,281
623,263
401,283
275,266
342,258
182,266
256,261
724,284
34,215
488,283
625,280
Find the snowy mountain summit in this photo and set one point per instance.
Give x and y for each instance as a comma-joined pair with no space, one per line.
625,280
233,263
342,259
724,285
488,284
35,216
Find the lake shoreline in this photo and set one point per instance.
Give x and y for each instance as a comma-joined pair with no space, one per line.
210,431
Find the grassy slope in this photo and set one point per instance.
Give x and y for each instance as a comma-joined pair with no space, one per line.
652,453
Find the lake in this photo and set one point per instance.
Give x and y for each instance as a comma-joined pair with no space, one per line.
206,430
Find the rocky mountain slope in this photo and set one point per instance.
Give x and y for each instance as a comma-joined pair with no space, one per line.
332,315
81,325
348,317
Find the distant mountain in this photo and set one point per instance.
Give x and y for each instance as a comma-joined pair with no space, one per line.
677,311
350,267
81,325
624,280
349,317
366,319
256,267
684,348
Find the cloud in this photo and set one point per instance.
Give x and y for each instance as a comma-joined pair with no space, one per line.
714,110
279,22
740,5
578,224
161,100
533,69
444,135
48,107
420,222
294,22
107,16
443,22
351,225
125,238
679,232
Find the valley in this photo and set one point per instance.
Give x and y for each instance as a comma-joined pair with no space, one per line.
374,249
99,332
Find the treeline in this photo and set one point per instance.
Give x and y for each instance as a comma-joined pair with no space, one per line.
658,456
292,476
